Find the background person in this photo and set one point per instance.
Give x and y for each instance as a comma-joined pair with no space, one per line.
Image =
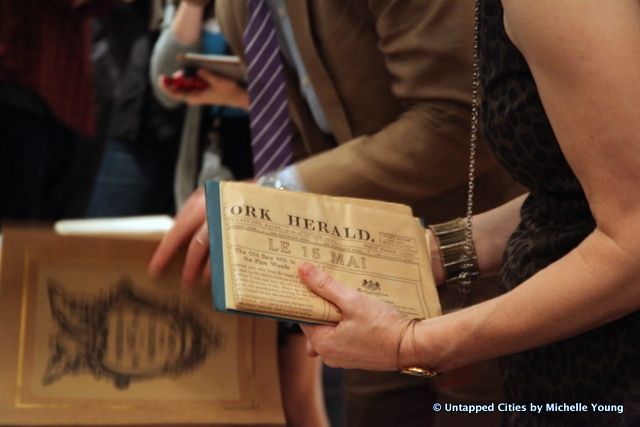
140,136
215,141
47,107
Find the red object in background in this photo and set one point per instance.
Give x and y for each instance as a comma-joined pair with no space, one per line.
185,83
45,47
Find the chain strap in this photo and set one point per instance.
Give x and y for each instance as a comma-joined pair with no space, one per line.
469,266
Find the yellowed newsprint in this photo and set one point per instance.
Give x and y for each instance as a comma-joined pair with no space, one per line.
259,237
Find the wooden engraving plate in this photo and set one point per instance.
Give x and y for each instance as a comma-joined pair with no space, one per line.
89,339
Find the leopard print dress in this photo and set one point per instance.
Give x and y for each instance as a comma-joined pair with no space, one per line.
601,366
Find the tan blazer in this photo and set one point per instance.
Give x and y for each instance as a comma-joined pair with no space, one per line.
394,81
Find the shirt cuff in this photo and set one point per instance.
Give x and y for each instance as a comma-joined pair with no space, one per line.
290,178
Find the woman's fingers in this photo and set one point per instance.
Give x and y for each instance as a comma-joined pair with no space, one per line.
211,78
327,287
367,337
309,349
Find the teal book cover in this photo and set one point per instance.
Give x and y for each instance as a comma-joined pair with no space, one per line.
214,223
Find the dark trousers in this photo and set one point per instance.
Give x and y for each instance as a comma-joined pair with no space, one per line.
134,178
40,177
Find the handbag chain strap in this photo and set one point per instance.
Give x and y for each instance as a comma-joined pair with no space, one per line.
469,273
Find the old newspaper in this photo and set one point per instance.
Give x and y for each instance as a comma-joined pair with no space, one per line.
259,237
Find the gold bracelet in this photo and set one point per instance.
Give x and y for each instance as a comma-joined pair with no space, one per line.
416,371
402,332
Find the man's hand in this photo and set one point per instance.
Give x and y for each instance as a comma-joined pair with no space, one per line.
190,226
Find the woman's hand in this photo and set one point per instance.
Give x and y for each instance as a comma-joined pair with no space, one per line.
220,91
368,335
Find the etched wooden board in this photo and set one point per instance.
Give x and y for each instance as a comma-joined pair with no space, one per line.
88,338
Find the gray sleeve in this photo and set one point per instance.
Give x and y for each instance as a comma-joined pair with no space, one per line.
163,61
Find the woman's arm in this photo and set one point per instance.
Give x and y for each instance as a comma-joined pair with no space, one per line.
181,36
585,66
187,24
587,80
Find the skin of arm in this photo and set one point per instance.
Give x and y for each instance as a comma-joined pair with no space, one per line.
187,24
591,106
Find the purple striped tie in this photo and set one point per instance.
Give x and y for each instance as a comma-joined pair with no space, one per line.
269,115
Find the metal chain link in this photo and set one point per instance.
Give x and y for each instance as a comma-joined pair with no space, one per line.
469,266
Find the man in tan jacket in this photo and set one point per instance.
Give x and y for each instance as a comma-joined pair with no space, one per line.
380,97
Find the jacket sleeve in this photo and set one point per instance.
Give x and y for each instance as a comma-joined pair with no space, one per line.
163,61
423,152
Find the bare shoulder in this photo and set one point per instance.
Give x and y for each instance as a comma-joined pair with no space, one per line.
585,58
552,28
